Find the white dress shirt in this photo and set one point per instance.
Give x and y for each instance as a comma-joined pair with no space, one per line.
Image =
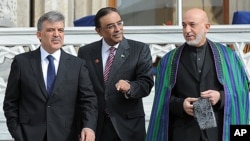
105,52
45,62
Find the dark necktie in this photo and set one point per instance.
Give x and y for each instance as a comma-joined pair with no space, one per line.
51,74
109,64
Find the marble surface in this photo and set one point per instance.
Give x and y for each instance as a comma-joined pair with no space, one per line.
4,133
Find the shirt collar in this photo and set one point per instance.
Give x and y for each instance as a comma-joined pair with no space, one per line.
44,54
105,46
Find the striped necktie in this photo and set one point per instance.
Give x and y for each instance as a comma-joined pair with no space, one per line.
109,64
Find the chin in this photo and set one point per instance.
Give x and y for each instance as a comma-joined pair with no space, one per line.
118,40
192,43
57,47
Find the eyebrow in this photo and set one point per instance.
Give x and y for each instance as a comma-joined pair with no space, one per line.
113,23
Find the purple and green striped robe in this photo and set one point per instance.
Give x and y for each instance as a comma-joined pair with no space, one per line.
231,75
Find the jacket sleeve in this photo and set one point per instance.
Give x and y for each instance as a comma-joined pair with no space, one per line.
11,99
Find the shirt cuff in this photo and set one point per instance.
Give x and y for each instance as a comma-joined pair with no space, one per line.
127,94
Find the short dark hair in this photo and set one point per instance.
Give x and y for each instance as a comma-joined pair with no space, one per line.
102,12
52,16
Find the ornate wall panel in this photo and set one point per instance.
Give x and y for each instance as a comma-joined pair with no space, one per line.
8,16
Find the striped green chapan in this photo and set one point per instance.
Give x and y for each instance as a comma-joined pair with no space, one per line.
231,75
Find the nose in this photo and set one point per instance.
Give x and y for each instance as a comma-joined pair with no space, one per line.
117,27
186,29
56,33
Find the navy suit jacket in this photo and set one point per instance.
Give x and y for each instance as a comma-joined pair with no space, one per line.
31,114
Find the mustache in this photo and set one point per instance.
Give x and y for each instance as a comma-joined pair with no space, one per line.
190,34
117,33
56,39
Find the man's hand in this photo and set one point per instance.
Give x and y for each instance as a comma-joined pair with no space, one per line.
87,134
188,105
123,86
212,95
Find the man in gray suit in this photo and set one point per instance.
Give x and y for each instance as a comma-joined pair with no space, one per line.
33,112
121,114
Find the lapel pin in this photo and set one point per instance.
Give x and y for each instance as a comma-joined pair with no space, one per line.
122,55
97,61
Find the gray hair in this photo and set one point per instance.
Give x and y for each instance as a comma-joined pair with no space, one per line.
51,16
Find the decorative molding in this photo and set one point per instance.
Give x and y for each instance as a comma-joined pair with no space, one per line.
8,15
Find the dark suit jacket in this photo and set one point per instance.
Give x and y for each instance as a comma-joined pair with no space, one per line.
31,114
188,84
132,62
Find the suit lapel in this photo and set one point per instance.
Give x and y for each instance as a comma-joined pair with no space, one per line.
64,66
37,69
96,54
121,55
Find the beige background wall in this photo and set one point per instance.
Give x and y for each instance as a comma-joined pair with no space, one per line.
19,12
24,10
72,9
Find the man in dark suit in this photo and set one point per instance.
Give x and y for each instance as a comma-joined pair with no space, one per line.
198,68
121,114
34,113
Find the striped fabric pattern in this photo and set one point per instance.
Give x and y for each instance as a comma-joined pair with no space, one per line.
237,98
109,64
235,82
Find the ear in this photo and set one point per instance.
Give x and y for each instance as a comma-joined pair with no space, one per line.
38,35
207,26
98,30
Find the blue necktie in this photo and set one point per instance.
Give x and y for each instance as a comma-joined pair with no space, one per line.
51,74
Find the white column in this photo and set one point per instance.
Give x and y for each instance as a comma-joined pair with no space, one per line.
179,8
66,7
88,7
23,13
72,9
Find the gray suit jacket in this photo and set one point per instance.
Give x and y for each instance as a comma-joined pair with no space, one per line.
132,62
31,114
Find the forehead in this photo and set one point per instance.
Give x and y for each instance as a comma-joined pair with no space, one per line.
111,17
58,24
194,16
191,19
